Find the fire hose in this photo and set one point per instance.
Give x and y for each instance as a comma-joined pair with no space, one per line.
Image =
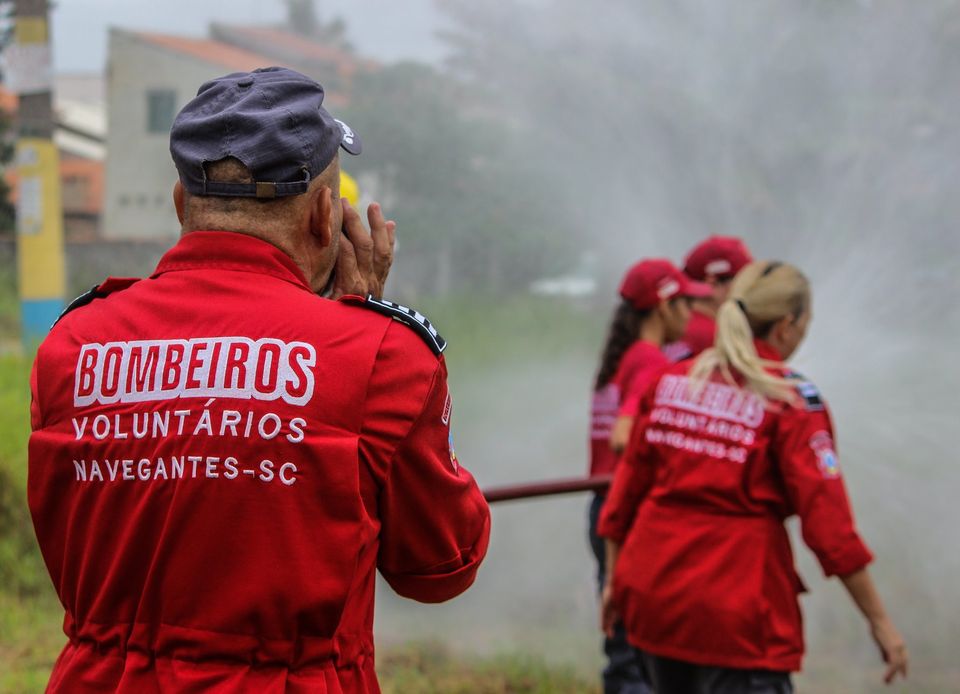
529,490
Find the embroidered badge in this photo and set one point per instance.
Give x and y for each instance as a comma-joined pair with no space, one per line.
453,455
447,407
822,444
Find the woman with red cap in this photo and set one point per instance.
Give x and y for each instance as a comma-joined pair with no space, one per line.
714,261
726,447
654,310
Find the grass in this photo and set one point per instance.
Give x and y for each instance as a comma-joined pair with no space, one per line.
9,305
30,615
485,330
430,668
484,333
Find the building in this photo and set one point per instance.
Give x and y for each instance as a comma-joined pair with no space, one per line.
150,77
80,136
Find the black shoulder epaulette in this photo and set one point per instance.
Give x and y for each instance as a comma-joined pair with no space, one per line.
408,316
808,391
105,288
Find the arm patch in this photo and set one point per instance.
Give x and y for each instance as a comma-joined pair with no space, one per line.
408,316
808,391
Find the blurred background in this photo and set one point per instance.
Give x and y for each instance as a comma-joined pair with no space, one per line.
530,151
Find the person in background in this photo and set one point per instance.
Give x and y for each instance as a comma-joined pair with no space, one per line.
653,310
714,261
726,448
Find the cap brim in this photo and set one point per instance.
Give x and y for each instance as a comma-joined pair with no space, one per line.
696,290
350,140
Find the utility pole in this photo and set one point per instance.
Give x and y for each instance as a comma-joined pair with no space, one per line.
40,255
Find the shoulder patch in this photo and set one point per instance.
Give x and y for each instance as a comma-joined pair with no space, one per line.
408,316
105,288
808,391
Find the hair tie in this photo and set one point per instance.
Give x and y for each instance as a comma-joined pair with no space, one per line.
742,306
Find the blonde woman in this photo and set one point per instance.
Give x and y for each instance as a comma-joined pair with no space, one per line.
726,447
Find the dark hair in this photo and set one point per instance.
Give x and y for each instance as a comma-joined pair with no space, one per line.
624,331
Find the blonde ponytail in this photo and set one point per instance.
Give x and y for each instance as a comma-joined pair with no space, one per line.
762,294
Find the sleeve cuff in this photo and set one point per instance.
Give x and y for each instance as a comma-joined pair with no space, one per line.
611,530
853,561
442,584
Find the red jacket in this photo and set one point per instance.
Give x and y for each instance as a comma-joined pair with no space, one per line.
699,335
706,572
639,366
221,460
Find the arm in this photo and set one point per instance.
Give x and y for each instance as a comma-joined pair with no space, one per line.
620,434
637,384
609,615
435,523
632,480
808,463
864,594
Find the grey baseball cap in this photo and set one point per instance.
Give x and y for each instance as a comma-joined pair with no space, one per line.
272,120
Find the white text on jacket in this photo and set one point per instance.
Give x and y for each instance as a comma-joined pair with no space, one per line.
205,367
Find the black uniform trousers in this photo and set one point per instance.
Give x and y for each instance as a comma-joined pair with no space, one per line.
624,672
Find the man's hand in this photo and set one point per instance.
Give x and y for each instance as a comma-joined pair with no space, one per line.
365,258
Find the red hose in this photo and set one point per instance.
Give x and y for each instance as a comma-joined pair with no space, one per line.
548,488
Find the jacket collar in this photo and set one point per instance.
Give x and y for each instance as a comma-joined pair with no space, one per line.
766,351
228,250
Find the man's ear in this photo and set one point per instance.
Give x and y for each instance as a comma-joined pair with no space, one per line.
179,202
321,214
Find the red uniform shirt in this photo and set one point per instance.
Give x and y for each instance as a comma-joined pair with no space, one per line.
221,460
640,364
706,572
699,335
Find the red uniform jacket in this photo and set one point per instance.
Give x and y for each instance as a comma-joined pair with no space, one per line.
640,364
221,460
699,335
706,572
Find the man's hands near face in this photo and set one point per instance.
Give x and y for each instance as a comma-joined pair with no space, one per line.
365,257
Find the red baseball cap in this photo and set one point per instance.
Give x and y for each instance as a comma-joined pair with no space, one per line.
651,281
718,256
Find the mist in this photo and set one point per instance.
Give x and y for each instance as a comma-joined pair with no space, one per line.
557,138
824,134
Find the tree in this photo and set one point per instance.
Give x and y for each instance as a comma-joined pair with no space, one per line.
690,117
303,19
7,134
8,212
442,166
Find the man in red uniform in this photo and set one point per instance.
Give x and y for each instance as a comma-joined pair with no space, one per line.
221,458
714,261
